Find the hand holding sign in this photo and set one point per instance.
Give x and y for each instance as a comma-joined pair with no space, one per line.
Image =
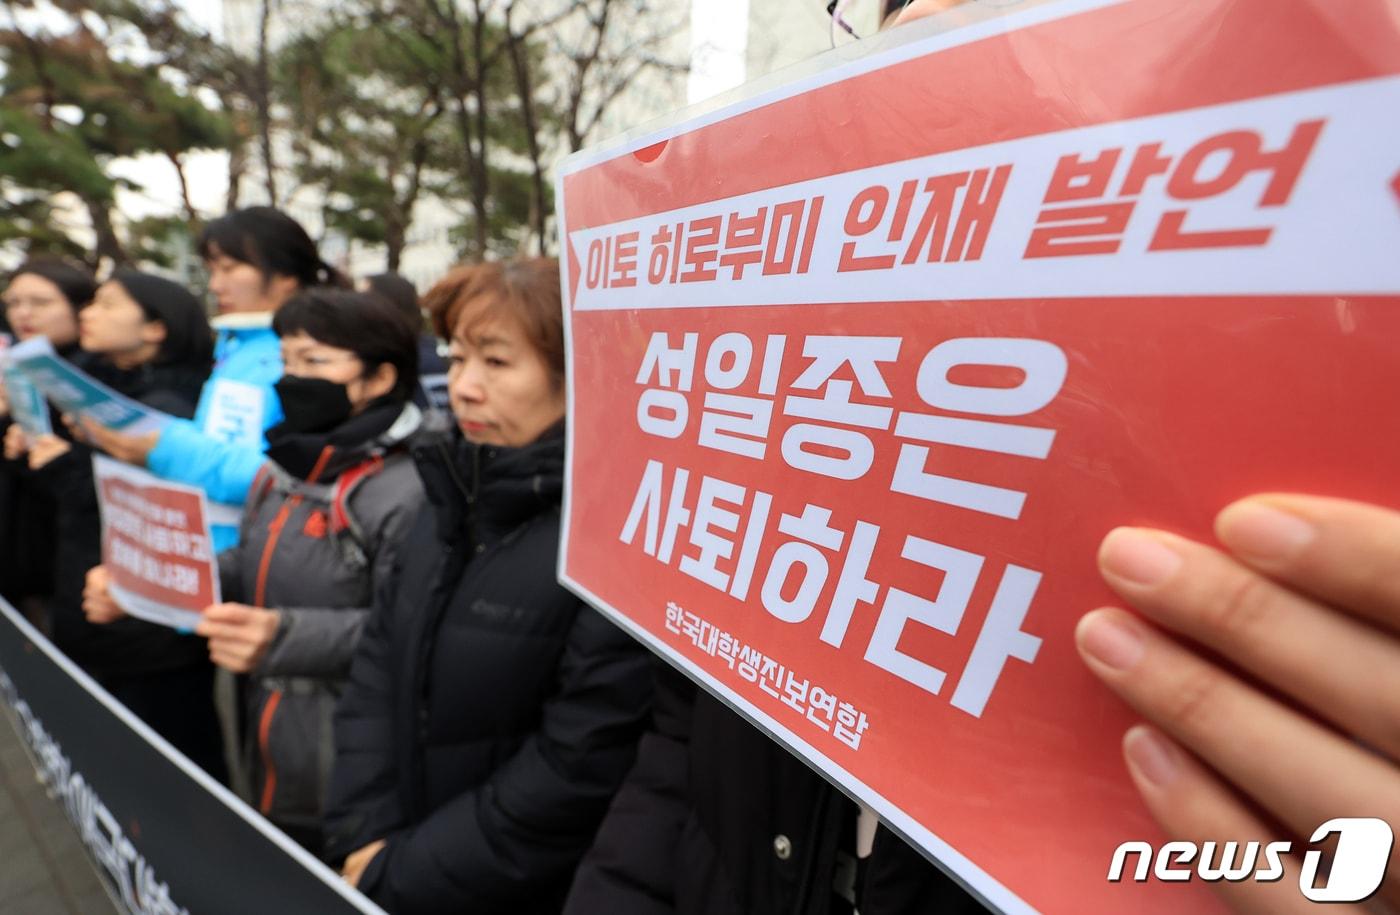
238,635
890,389
1307,603
98,605
16,443
45,449
126,447
44,374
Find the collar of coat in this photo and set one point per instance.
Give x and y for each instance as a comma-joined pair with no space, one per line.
182,380
378,429
480,493
242,320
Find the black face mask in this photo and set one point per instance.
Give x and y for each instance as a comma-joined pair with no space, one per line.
312,404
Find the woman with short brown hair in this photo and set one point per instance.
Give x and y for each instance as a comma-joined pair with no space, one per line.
490,714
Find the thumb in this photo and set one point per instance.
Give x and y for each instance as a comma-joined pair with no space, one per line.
226,613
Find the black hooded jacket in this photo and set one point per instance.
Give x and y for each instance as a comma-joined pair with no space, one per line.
490,715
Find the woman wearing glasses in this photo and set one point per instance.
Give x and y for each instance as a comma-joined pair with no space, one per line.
42,299
490,714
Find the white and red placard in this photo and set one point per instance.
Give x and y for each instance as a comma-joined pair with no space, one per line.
865,361
155,545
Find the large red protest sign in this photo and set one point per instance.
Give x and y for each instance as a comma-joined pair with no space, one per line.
155,545
864,365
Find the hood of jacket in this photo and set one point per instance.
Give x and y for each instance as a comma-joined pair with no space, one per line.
482,492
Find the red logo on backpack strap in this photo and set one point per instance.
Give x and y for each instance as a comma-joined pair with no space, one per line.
315,526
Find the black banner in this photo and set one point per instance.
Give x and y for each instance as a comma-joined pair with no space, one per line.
166,837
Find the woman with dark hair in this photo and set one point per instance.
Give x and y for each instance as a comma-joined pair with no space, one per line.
490,714
148,339
320,531
41,299
398,291
432,369
257,259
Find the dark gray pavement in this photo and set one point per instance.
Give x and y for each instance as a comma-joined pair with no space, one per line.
44,869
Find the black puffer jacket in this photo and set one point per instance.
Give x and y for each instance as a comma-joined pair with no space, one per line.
718,819
490,715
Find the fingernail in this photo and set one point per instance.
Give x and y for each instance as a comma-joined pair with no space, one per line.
1137,557
1110,640
1254,529
1151,755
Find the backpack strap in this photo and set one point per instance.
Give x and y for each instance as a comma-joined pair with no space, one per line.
341,518
264,482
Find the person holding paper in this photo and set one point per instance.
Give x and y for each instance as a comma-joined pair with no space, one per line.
1265,669
257,258
148,339
1268,674
490,714
41,299
321,530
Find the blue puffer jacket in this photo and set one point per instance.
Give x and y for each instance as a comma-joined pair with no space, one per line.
221,450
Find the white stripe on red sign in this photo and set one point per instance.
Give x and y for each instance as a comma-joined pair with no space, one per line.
1243,198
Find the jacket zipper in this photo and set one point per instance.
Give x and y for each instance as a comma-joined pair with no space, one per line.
467,493
260,600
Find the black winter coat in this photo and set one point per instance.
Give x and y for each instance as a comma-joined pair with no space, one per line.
28,539
490,715
128,646
718,819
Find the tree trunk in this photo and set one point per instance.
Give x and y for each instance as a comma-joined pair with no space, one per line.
394,241
108,245
580,80
237,164
472,166
472,171
264,103
525,88
481,188
396,232
191,215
